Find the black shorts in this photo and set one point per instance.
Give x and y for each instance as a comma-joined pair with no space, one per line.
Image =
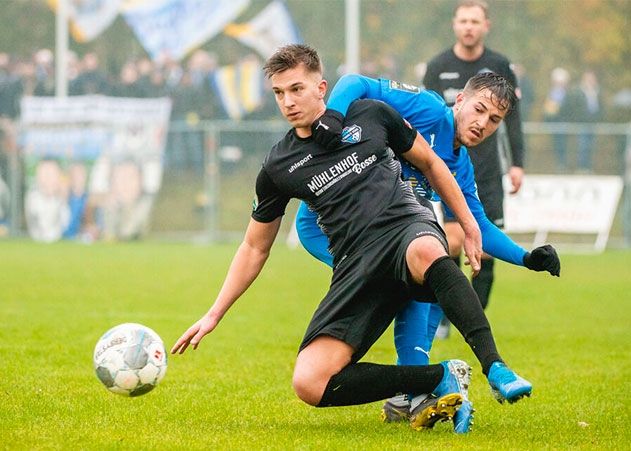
369,288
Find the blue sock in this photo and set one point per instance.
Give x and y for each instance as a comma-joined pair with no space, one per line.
410,334
433,321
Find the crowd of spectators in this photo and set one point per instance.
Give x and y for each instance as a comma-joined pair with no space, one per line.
188,84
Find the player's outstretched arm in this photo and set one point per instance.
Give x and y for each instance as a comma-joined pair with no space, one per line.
246,266
423,157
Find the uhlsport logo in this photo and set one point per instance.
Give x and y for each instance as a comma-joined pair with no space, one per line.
352,134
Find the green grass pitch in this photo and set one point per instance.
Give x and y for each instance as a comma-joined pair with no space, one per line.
570,336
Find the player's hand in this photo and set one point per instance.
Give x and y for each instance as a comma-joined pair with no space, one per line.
195,333
473,249
327,129
516,175
543,258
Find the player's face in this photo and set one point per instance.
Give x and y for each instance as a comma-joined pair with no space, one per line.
299,95
470,26
477,117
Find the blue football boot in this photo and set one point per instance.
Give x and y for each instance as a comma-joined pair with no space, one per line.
446,398
506,385
463,418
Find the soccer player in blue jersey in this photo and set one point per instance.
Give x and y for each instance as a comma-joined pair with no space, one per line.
477,113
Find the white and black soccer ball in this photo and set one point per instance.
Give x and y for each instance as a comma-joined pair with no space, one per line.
130,359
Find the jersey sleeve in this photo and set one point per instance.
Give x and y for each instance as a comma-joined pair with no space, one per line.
270,203
494,242
352,87
401,134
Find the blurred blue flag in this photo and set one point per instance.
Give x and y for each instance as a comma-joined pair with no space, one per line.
270,29
171,28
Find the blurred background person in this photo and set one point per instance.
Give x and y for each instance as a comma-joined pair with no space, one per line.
554,110
525,91
92,79
584,105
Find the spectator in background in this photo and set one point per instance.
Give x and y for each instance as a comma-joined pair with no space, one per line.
185,143
145,68
44,72
157,84
584,105
92,79
201,66
127,84
525,91
554,111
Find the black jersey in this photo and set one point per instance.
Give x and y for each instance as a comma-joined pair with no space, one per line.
356,190
447,75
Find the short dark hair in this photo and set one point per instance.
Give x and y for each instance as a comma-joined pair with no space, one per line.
502,92
290,56
470,4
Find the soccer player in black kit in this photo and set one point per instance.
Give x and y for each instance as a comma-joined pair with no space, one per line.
386,246
447,74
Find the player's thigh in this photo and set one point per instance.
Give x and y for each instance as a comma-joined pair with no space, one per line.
455,238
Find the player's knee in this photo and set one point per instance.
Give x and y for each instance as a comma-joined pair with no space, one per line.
308,387
421,253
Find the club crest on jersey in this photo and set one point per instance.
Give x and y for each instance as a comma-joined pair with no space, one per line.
352,134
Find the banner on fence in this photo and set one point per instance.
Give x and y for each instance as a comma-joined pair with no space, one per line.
581,204
93,165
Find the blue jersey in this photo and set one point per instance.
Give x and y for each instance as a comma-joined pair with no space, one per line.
427,112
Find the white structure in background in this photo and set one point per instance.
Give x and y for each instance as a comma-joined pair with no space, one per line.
581,204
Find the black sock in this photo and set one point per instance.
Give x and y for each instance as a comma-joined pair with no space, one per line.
444,322
462,306
360,383
483,282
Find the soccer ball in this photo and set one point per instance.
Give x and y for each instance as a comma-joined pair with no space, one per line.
130,359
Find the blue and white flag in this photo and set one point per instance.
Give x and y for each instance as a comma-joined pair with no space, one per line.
272,28
89,18
172,28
